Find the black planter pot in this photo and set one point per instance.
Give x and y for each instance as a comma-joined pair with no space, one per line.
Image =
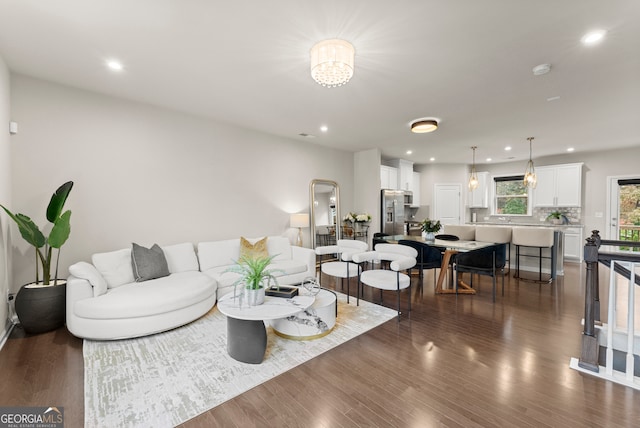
42,309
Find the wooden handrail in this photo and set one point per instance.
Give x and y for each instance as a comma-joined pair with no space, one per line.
592,257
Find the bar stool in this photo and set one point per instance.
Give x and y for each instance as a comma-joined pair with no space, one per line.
497,235
536,237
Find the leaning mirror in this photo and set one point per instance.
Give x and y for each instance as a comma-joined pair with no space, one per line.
324,207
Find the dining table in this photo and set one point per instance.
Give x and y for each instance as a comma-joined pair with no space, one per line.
449,249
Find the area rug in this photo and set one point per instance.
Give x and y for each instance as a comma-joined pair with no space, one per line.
168,378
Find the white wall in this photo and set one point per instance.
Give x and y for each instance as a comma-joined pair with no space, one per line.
145,174
5,191
366,198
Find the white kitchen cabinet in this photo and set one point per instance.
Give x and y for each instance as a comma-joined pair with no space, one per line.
573,244
405,173
388,177
416,189
559,186
479,198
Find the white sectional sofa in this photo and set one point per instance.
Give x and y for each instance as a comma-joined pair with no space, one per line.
104,302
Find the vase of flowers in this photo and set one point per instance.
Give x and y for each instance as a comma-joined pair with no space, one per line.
356,221
430,228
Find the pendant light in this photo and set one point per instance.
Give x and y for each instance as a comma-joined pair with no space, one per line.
473,179
530,179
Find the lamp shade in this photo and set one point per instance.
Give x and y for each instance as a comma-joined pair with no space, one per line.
299,220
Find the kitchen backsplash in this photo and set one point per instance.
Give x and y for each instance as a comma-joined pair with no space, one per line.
573,214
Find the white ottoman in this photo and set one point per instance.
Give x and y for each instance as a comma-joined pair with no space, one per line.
315,322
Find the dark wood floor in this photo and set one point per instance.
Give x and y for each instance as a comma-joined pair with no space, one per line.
455,361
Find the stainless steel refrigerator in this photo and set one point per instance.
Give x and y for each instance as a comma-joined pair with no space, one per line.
392,212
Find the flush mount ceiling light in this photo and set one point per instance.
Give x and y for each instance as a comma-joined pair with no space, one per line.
332,62
473,179
530,179
423,126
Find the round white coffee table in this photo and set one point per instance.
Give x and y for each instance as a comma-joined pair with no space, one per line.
314,322
246,332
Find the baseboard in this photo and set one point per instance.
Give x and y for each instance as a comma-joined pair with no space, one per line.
6,332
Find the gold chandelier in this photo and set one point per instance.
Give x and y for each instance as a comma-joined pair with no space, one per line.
473,179
530,179
332,62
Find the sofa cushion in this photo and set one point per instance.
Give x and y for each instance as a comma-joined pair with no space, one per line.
115,267
140,299
280,247
84,270
148,263
218,253
181,258
253,250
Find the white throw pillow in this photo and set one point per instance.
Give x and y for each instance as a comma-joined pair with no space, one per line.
115,267
84,270
181,258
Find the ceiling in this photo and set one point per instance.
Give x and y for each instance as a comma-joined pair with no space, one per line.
467,63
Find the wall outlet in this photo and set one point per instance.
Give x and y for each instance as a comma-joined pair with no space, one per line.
598,214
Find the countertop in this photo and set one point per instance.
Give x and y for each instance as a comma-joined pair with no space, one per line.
513,224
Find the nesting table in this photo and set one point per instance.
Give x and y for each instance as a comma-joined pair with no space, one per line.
246,331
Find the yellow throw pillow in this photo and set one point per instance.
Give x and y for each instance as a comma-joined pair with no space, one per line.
253,251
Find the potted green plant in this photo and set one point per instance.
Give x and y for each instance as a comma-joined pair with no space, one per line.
430,228
40,305
556,217
254,278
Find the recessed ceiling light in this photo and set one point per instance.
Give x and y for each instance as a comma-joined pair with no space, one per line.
570,149
432,159
541,69
489,159
115,65
556,98
593,37
409,152
507,148
324,128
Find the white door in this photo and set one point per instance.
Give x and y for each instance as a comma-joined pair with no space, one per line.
447,203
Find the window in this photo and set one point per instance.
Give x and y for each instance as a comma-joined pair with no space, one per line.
511,196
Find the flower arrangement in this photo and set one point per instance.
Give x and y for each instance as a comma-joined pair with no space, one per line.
357,218
431,225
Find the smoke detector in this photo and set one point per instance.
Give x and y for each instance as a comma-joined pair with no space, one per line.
541,69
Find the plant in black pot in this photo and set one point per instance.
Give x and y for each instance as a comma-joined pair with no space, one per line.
41,305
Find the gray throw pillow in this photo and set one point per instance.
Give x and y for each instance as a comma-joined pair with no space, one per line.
148,263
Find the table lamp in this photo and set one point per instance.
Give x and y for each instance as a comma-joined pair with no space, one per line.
299,220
